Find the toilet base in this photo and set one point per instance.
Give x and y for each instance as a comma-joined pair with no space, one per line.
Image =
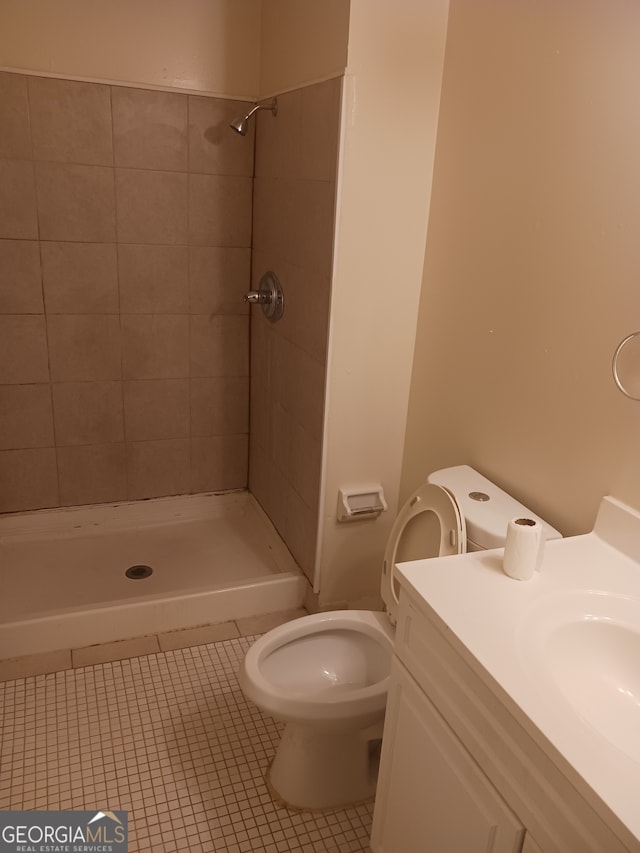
324,770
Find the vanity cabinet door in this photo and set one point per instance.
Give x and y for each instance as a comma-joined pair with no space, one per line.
432,797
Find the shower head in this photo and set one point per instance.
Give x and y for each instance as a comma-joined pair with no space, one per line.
241,125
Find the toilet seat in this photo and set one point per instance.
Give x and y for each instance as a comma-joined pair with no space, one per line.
412,530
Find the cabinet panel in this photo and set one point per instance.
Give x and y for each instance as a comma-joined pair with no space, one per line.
431,794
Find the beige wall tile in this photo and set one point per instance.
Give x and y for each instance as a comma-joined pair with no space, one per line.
260,373
84,347
152,207
23,349
119,650
15,139
307,227
319,131
92,474
40,664
81,212
301,531
278,142
219,462
219,346
270,488
80,278
155,346
303,142
198,636
219,277
156,408
20,277
18,216
297,382
281,439
88,412
153,279
220,405
157,468
25,416
306,463
70,121
293,219
311,315
29,479
219,210
75,202
308,378
259,474
260,414
213,148
281,370
293,215
149,129
267,217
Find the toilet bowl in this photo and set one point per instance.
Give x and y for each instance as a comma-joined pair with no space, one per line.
326,675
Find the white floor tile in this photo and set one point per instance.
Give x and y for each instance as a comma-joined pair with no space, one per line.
169,738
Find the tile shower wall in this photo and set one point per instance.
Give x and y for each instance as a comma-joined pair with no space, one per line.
125,227
293,224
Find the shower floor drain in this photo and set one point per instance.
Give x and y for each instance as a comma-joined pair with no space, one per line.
139,573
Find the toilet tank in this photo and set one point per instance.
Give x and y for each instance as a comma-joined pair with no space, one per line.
486,508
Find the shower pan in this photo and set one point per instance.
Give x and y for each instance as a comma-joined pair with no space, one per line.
63,571
94,574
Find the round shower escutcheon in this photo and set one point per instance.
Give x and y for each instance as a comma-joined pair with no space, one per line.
269,296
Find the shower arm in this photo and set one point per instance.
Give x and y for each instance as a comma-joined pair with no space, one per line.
241,125
273,106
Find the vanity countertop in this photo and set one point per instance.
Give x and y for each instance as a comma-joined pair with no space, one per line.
562,646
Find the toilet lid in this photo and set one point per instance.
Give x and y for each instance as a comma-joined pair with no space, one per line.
429,524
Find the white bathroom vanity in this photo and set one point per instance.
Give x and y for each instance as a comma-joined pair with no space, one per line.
513,719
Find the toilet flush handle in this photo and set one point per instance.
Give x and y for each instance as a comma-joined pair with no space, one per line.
269,295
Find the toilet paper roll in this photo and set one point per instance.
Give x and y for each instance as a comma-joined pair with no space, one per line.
523,548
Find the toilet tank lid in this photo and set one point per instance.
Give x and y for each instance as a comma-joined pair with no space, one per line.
486,519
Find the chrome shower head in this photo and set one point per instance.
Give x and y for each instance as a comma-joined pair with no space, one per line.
241,125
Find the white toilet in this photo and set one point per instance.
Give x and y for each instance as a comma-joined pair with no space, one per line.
326,675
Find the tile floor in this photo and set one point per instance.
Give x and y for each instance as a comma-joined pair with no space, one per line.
169,738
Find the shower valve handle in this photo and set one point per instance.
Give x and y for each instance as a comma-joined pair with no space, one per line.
269,295
260,297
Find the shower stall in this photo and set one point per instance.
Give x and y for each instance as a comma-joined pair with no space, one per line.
160,445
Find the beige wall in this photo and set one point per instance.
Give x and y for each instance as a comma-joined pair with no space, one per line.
231,48
207,46
302,42
532,258
390,109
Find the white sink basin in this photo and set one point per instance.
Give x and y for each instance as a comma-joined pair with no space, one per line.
564,647
586,647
